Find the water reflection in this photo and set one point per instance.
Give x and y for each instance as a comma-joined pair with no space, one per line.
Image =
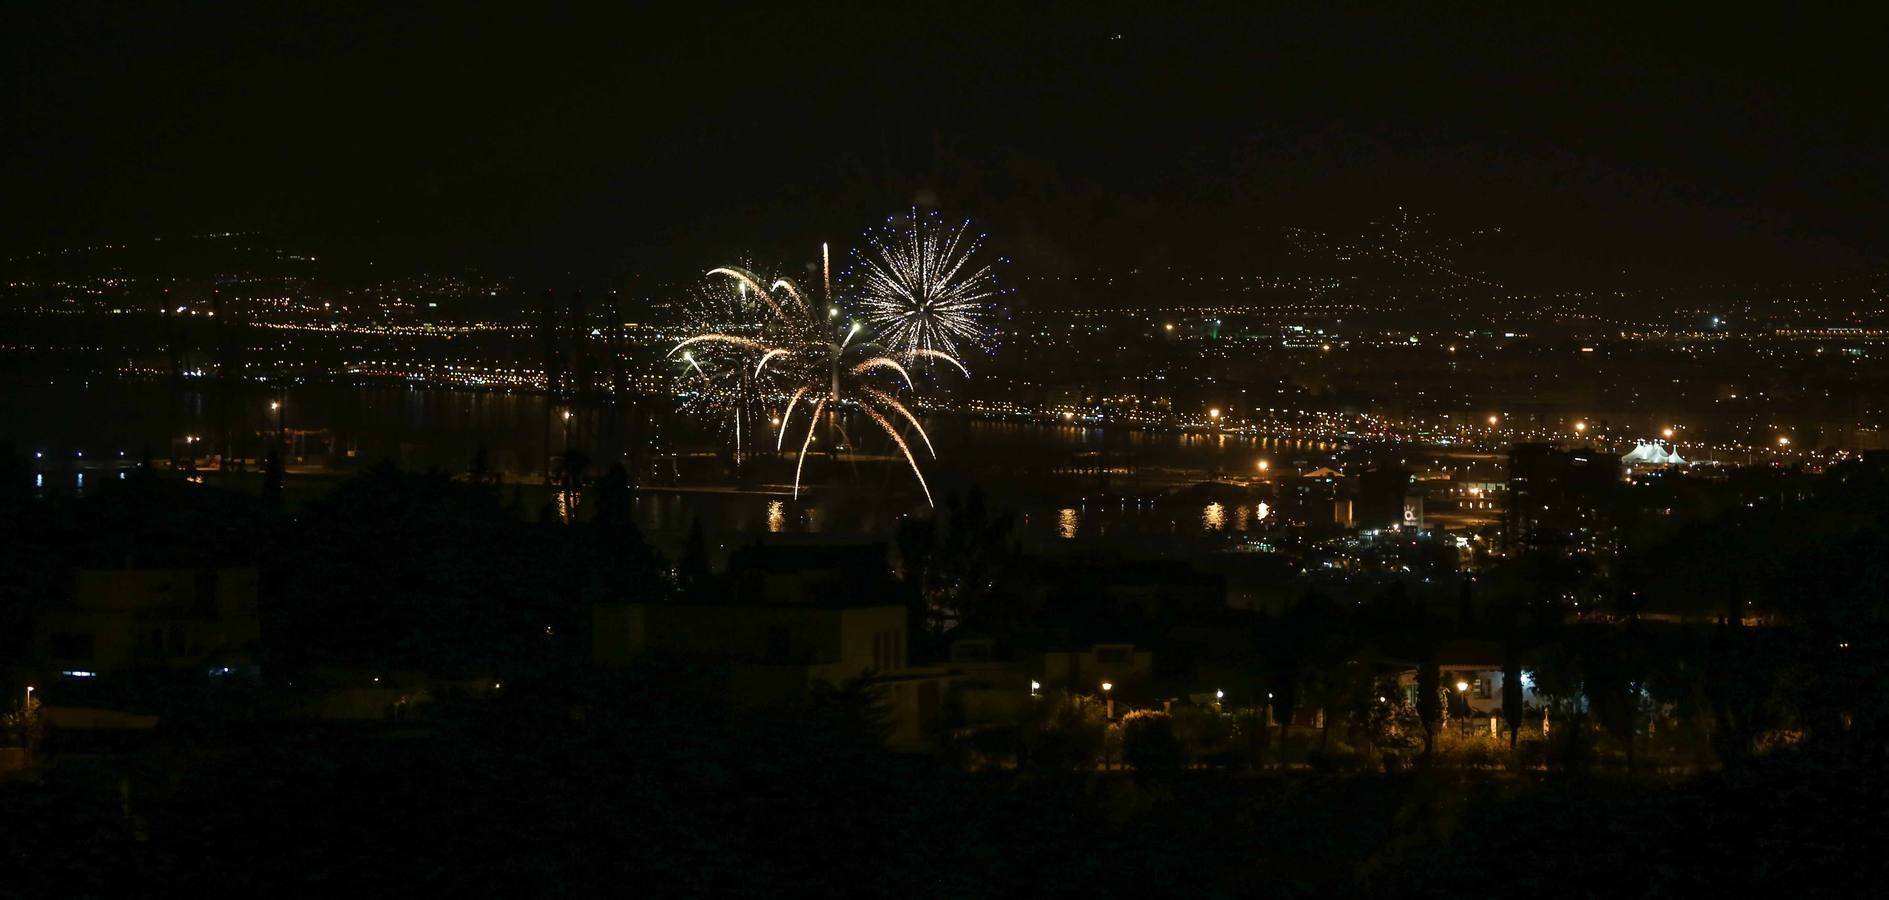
1067,523
1214,517
1263,511
776,516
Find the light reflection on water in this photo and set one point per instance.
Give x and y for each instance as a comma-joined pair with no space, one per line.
776,516
1068,522
1213,516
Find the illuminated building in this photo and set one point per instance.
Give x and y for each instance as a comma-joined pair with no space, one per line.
1561,501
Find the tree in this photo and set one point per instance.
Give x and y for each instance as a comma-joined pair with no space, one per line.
1429,698
272,481
625,565
917,540
1612,682
968,559
1380,715
615,511
1303,641
1285,693
1512,686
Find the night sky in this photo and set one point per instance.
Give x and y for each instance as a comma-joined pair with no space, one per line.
1700,147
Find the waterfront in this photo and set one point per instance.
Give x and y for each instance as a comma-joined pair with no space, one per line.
1064,481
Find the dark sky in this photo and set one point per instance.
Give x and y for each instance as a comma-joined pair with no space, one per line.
1696,147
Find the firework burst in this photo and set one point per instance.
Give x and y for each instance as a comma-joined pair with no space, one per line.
758,341
919,286
716,379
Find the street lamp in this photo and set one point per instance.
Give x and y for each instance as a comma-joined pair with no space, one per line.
1668,433
1493,420
1107,688
1264,465
1580,427
1034,687
1783,440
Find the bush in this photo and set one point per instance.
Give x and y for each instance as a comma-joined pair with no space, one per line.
1149,743
1066,732
1336,762
1204,732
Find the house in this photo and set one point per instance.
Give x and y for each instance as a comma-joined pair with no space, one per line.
993,677
115,620
782,623
118,630
1471,671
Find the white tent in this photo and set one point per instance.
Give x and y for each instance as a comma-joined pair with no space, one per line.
1652,453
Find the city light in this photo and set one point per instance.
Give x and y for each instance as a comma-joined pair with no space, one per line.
439,512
